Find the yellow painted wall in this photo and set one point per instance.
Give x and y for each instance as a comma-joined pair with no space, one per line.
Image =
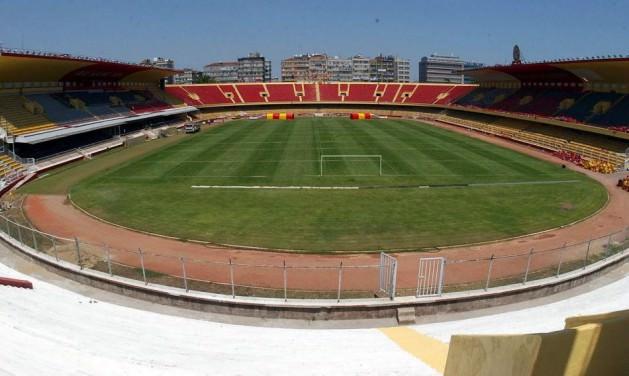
590,345
492,355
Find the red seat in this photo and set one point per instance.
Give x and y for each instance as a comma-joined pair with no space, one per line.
389,94
361,93
329,93
281,92
251,93
16,283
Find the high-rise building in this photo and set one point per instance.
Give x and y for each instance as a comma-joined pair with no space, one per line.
187,76
254,68
295,68
339,69
441,69
268,73
224,71
360,68
382,69
402,70
160,62
306,67
318,67
321,67
389,69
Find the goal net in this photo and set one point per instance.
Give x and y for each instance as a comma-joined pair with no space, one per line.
348,164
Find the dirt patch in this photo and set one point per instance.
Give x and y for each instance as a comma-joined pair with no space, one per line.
566,206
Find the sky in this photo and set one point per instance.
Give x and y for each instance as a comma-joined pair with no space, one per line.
195,33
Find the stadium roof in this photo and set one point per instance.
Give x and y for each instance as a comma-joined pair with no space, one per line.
22,66
613,70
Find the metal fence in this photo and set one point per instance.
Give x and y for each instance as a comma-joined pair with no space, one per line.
524,267
336,280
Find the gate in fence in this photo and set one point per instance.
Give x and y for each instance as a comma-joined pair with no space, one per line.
388,275
430,276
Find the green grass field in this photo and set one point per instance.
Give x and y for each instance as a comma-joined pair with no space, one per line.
479,192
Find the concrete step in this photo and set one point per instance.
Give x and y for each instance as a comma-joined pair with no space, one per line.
406,315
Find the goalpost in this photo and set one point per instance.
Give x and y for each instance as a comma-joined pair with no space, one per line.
343,156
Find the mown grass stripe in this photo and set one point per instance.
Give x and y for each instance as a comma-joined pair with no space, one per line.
260,153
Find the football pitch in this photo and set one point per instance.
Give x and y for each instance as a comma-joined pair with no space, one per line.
331,184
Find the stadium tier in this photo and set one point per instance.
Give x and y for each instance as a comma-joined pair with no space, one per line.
47,96
592,92
71,107
588,107
282,92
597,154
389,92
329,93
253,93
19,116
339,92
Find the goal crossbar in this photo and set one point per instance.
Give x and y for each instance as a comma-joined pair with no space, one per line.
329,156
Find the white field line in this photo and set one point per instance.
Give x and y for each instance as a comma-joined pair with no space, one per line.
298,187
135,177
541,182
268,187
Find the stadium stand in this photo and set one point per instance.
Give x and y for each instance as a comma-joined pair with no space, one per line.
453,93
191,97
428,93
361,93
548,102
62,108
281,93
215,95
230,91
329,93
485,97
310,92
165,97
592,92
616,115
81,101
565,144
404,93
207,94
8,166
76,106
253,93
596,108
389,94
19,116
590,105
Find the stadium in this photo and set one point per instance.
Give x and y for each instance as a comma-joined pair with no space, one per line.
360,204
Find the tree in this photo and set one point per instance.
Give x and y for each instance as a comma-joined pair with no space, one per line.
204,79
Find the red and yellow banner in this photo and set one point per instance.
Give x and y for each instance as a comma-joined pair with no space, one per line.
360,116
280,116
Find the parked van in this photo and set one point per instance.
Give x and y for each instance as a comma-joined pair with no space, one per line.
192,127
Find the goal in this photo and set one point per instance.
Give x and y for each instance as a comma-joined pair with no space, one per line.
350,157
